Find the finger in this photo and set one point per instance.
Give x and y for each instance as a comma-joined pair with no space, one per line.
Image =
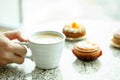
19,49
10,57
17,59
5,58
2,65
14,35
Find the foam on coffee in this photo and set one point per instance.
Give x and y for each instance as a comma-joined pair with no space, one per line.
46,38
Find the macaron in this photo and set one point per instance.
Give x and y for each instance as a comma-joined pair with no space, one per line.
87,50
115,40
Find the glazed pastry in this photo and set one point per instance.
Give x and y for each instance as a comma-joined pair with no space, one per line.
116,39
74,31
87,51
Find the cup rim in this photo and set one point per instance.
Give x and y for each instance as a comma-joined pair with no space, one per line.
48,31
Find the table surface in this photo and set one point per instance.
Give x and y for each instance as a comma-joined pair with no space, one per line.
106,67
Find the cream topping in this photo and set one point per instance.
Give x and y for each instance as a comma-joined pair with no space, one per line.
86,46
74,30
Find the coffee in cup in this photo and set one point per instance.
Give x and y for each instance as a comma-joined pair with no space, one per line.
46,38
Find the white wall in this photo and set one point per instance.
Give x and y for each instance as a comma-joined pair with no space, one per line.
42,11
9,13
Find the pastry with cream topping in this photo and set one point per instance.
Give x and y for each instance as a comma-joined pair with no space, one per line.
87,51
115,41
74,31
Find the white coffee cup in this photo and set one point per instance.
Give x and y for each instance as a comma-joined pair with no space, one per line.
46,48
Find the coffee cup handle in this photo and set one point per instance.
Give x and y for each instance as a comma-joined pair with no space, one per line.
26,44
23,43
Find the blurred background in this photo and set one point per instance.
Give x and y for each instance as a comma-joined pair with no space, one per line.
13,13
